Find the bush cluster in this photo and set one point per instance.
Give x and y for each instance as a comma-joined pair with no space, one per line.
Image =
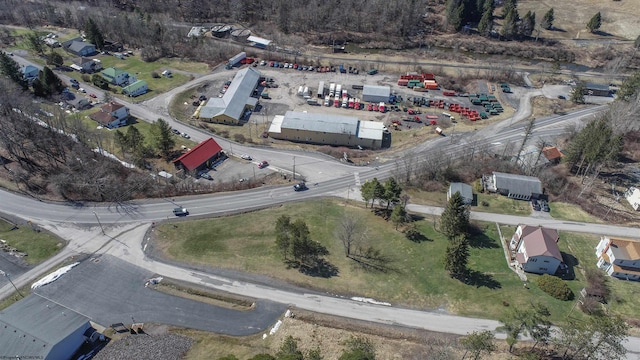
555,287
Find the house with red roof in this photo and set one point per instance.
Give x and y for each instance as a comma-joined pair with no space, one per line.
202,156
553,154
536,249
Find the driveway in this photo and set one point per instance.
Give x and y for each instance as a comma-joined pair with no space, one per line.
109,290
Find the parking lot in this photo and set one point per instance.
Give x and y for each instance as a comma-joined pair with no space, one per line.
109,290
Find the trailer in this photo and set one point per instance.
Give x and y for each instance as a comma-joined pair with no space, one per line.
321,90
345,94
356,104
332,89
312,101
327,100
381,107
300,90
342,69
305,92
372,72
336,101
338,90
237,59
345,102
351,103
449,93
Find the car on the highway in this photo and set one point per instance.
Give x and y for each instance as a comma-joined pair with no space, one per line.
245,157
263,164
185,135
300,187
180,211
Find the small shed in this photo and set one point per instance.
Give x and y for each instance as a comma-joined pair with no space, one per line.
258,42
465,191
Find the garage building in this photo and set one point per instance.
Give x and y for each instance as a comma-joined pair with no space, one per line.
42,329
466,192
201,157
329,130
376,94
594,89
231,107
514,186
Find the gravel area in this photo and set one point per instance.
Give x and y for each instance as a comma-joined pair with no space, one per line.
145,346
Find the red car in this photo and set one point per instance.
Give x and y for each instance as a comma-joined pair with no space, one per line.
93,96
263,164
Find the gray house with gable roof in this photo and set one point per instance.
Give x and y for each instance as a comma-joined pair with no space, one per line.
519,187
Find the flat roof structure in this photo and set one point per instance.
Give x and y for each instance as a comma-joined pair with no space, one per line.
336,124
258,40
371,130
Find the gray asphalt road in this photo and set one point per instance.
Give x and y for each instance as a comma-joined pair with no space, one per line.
109,290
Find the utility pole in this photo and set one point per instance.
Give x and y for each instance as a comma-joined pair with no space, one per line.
99,223
294,168
14,285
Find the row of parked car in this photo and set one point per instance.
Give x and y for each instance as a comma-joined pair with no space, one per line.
540,205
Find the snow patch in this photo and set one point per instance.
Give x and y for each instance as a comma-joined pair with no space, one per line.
370,301
275,327
53,276
109,155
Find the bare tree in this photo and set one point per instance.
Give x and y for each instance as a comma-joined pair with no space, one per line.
351,232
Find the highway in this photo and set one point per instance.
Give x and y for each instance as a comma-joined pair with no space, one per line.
119,229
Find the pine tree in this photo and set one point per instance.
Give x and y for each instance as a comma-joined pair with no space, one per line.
510,24
50,81
162,137
392,191
486,23
398,215
456,257
507,6
34,42
93,33
594,24
454,13
11,69
577,95
547,20
455,217
528,24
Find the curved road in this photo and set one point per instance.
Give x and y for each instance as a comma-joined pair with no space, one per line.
119,232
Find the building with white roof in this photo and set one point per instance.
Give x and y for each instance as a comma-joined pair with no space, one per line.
238,99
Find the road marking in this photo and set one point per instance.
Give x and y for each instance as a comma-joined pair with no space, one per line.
356,175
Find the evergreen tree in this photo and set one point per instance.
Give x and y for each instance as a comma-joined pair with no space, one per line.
547,20
577,95
135,143
39,89
34,42
528,24
48,83
93,34
486,23
478,342
162,137
455,217
392,191
398,215
630,87
455,13
366,191
507,6
11,69
594,24
283,235
456,257
55,59
289,350
594,145
510,24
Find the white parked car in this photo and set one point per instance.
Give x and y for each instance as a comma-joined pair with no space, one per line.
82,90
245,157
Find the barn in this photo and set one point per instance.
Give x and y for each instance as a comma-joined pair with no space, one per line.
238,99
41,329
376,94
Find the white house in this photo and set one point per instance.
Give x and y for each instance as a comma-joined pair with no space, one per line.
87,65
619,258
137,88
536,249
111,115
633,197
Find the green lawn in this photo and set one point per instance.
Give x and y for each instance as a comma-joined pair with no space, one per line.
417,278
502,205
571,212
39,245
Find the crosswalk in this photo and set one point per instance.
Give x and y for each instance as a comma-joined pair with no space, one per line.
356,175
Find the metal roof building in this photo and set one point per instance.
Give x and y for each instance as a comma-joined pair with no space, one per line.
514,186
376,94
328,130
202,155
465,191
258,41
42,329
596,89
230,108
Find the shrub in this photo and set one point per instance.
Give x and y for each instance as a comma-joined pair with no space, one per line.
555,287
155,75
239,138
485,203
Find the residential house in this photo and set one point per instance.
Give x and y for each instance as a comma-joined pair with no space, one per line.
37,328
201,157
30,72
79,47
514,186
117,76
86,65
79,103
465,191
536,249
137,88
633,197
619,258
111,115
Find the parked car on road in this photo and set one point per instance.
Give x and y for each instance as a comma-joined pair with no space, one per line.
186,136
175,131
245,157
205,175
93,96
180,211
263,164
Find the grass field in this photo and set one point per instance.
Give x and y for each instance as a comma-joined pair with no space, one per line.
499,204
571,212
39,245
417,278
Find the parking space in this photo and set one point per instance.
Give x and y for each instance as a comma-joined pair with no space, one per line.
109,290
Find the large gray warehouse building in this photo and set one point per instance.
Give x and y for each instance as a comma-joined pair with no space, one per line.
376,94
329,130
42,329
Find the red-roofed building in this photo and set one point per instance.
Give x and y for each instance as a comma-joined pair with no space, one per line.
552,154
200,157
536,249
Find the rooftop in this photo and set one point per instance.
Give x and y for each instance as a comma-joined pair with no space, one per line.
199,154
518,184
334,124
111,107
236,98
541,241
376,90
